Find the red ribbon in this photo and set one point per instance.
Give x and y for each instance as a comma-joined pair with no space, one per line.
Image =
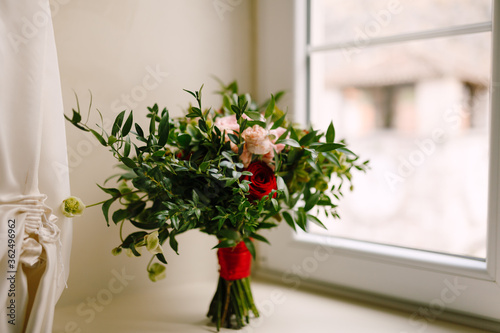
234,262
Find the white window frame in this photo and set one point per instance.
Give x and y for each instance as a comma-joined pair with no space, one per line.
460,289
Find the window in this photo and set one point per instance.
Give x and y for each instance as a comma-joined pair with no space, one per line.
412,89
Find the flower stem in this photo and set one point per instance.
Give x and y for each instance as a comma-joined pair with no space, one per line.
121,195
226,302
97,203
121,230
149,263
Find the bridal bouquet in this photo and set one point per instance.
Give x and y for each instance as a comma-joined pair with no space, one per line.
229,172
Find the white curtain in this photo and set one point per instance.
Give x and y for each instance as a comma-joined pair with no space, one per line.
35,237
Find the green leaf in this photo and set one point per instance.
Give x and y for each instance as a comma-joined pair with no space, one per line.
76,123
252,123
279,122
133,238
202,125
190,92
301,219
332,158
236,110
118,123
126,149
312,201
328,147
119,215
161,258
152,124
315,220
134,251
204,166
289,219
173,242
289,142
164,130
308,138
254,115
128,124
266,225
347,152
259,238
250,246
105,209
175,221
196,198
229,234
314,165
282,187
145,226
330,133
76,117
225,243
270,107
139,130
275,204
184,140
128,162
113,191
228,155
196,111
99,137
234,138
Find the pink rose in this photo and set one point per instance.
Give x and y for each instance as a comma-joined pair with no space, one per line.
257,140
277,133
245,157
269,157
228,124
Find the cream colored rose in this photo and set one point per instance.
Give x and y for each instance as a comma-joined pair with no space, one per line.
228,124
257,140
72,207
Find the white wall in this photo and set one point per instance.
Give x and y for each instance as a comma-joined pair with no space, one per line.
111,47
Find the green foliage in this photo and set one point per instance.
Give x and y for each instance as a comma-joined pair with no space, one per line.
187,173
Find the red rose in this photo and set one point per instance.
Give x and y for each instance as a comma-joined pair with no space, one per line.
263,180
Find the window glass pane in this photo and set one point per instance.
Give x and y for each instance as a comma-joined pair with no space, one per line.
419,111
334,21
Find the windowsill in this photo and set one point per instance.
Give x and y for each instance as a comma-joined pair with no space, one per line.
182,309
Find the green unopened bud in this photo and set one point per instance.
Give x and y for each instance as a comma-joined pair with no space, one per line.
321,185
153,243
112,139
116,251
72,207
157,272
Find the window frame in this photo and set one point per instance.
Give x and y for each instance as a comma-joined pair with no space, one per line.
394,274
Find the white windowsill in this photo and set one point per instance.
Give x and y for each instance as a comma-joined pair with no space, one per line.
182,309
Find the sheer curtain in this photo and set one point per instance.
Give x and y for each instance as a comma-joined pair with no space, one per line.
35,237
